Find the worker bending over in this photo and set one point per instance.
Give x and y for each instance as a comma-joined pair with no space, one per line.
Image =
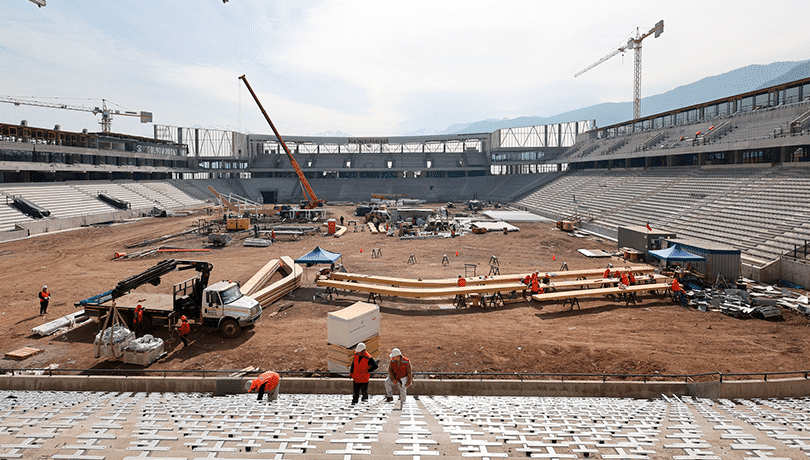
399,372
268,381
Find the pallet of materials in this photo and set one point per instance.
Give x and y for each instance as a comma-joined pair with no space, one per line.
353,324
24,353
339,359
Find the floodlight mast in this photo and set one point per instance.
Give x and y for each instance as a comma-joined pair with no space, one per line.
635,45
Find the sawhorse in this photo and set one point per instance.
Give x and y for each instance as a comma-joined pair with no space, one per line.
572,301
494,270
376,253
460,301
412,259
374,296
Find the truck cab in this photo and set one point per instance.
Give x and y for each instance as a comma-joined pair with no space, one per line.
226,308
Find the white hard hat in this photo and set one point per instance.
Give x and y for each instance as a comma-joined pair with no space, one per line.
44,287
395,352
360,347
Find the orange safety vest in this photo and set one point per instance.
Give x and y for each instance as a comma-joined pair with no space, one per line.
607,273
676,286
184,328
270,377
138,315
400,369
462,282
625,279
44,296
632,277
360,371
535,285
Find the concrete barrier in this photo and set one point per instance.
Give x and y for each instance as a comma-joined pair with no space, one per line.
782,388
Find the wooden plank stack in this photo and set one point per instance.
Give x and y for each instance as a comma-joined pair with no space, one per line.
264,293
359,322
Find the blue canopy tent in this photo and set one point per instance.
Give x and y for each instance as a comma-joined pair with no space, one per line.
318,256
675,254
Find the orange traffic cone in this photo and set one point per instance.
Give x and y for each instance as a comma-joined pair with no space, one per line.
456,253
361,249
553,257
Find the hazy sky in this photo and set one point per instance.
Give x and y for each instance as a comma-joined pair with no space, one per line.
368,68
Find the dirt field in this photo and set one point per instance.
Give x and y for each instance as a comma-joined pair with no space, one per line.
655,336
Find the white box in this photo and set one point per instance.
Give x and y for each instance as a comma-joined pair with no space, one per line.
353,324
142,357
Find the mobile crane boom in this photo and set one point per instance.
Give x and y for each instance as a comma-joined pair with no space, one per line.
312,200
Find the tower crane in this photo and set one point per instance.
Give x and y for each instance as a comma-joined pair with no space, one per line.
635,45
106,114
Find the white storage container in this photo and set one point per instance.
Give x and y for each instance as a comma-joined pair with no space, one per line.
353,324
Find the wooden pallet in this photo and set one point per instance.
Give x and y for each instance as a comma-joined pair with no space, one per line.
24,353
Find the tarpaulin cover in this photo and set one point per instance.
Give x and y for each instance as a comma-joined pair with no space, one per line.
318,256
676,254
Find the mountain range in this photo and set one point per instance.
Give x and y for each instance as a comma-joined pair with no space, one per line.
742,80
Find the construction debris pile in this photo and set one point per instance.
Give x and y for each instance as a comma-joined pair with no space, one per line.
739,303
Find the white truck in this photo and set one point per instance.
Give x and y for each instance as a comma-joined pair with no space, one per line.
221,305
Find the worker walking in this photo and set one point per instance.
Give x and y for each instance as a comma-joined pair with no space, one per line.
399,372
44,299
183,330
362,367
137,318
268,381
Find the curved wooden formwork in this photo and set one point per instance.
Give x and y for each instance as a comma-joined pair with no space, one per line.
260,288
497,279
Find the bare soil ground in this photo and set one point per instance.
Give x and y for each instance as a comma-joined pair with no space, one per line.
654,336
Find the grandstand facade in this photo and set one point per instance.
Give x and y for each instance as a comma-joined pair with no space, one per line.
733,171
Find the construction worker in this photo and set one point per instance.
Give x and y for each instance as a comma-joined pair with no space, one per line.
677,292
183,330
462,282
535,286
268,381
137,318
362,367
44,299
398,369
625,279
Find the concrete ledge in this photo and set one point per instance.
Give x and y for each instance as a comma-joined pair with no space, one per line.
783,388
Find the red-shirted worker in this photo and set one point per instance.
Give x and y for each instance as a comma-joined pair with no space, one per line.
362,367
183,330
137,318
462,282
625,279
632,277
677,292
399,372
268,381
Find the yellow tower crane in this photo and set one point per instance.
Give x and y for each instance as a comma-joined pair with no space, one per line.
635,45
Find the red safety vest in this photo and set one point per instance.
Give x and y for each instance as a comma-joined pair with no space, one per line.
270,377
676,286
44,296
535,286
184,328
399,368
625,279
607,274
462,282
138,315
360,372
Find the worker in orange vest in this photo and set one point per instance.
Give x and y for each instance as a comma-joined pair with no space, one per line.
677,292
268,381
137,318
44,299
625,279
183,330
362,367
399,371
462,282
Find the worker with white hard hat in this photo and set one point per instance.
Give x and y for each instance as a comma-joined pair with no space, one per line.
362,367
399,371
44,299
